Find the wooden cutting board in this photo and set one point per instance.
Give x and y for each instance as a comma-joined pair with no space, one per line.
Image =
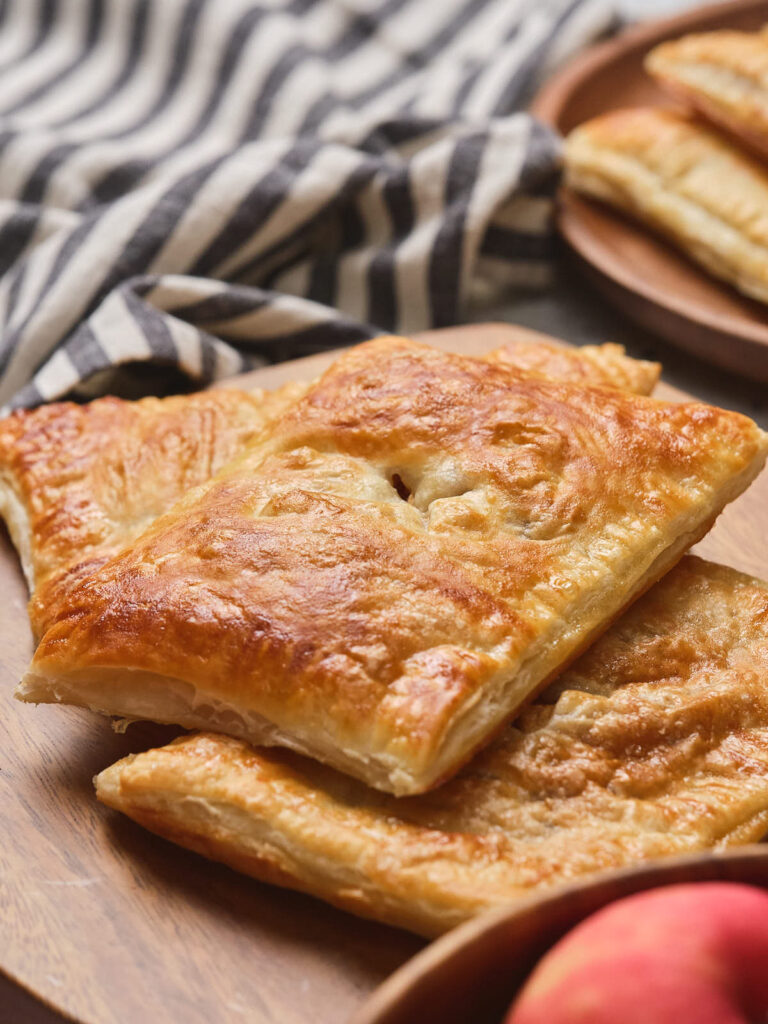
107,924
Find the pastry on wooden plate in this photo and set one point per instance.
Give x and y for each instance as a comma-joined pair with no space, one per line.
683,181
654,743
420,543
722,75
80,482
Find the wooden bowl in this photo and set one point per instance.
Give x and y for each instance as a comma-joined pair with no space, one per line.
635,270
472,974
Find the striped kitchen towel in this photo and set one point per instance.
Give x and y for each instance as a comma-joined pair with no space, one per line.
212,184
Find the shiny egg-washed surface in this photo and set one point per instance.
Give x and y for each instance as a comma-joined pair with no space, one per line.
654,743
80,482
418,545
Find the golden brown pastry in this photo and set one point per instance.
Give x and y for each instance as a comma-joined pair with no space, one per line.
722,75
654,743
420,543
683,181
78,482
607,364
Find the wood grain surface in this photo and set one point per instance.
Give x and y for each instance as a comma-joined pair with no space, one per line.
109,924
640,273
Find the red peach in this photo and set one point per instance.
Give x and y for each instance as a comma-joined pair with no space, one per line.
682,954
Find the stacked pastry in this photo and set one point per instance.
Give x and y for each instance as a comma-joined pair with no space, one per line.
419,582
697,176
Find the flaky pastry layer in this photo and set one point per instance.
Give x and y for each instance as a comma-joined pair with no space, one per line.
683,181
722,75
421,542
79,482
654,743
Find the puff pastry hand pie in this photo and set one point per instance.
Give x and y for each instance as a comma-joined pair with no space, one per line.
654,743
722,75
79,482
420,544
685,182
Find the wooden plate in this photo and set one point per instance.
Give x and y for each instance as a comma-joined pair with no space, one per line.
109,924
636,271
472,974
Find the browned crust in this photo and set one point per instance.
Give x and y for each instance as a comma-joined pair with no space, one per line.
606,364
90,478
392,637
654,742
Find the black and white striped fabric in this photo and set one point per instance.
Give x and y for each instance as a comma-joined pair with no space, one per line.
213,184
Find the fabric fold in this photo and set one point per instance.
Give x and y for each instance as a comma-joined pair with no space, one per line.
300,174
